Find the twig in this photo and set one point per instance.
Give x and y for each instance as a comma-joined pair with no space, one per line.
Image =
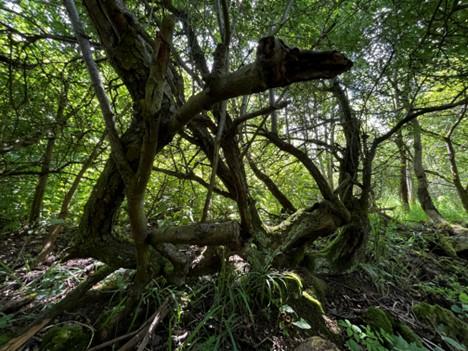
157,318
146,332
117,339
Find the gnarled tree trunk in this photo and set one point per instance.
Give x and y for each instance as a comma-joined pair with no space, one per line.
129,50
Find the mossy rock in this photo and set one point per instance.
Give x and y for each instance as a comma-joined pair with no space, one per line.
378,319
316,343
443,319
443,245
68,337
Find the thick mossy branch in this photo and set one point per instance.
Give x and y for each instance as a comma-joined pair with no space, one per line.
202,234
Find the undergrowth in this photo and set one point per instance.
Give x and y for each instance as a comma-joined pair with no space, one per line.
233,310
401,264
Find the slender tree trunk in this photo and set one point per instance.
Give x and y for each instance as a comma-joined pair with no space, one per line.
250,220
38,197
330,157
274,115
139,229
57,229
350,162
403,189
461,190
424,196
411,185
231,172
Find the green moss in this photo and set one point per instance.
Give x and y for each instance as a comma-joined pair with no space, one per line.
406,332
319,287
306,302
442,319
444,243
4,339
309,296
65,337
378,319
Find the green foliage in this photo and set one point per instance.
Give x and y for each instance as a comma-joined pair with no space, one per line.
407,56
5,321
365,338
215,311
444,321
66,337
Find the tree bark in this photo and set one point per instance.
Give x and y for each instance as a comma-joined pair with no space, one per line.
351,242
461,190
226,233
403,179
39,192
349,165
424,196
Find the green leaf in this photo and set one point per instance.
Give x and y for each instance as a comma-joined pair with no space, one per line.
453,343
463,297
353,345
302,324
287,309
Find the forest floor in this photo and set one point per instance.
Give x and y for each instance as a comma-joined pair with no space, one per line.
409,295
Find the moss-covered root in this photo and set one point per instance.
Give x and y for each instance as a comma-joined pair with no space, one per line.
65,337
443,320
380,320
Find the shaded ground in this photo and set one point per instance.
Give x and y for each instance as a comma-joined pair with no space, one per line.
404,268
